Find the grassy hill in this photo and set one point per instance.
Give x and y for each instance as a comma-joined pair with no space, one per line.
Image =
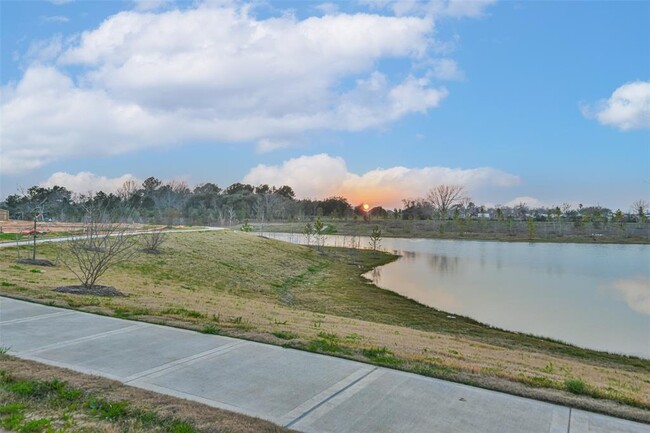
237,284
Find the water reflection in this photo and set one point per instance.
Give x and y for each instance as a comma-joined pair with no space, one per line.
635,292
443,264
375,275
595,296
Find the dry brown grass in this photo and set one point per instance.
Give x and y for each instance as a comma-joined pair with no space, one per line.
242,286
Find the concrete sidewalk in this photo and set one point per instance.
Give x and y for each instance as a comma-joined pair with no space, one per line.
304,391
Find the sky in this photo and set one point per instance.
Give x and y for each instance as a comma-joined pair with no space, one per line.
540,102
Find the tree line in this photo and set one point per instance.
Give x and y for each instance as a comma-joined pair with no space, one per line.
174,202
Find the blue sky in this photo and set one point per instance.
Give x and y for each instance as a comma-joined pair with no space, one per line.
541,102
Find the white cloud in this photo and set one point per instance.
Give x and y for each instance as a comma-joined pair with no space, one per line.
44,50
446,69
635,292
153,79
85,182
328,8
531,202
627,108
268,145
60,2
322,175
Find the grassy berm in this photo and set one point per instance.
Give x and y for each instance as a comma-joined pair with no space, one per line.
237,284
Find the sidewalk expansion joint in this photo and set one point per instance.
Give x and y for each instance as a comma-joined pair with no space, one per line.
181,362
42,316
82,339
313,408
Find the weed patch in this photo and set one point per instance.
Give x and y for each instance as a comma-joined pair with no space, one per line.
382,356
285,335
211,329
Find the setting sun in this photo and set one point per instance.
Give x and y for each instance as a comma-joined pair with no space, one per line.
366,206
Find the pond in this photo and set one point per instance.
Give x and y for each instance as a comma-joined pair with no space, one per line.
590,295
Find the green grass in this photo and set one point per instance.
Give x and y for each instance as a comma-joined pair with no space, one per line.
382,356
285,335
211,329
62,403
327,343
576,386
206,278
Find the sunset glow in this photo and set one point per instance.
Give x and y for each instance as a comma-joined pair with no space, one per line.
365,207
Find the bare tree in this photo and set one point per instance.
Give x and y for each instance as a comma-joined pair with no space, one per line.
153,240
445,197
640,208
102,246
128,189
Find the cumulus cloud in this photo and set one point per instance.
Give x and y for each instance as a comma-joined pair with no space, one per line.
44,50
627,108
531,202
322,175
635,292
85,182
446,69
213,74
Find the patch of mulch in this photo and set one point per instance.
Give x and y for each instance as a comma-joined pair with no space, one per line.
94,291
37,262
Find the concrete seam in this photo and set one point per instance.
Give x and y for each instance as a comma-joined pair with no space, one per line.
42,316
83,339
181,362
307,412
568,427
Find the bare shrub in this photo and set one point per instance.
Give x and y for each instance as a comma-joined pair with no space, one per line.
153,240
102,246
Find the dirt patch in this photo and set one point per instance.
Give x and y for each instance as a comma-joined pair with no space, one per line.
94,291
35,262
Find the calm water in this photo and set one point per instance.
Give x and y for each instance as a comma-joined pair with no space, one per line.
595,296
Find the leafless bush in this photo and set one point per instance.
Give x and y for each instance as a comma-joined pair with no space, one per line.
153,240
102,246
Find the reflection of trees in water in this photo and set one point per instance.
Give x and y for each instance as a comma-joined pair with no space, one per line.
443,264
376,275
407,256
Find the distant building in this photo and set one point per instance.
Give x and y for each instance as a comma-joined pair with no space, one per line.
4,215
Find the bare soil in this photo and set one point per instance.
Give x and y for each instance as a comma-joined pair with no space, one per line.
94,291
35,262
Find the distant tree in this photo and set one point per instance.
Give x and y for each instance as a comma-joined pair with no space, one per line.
240,188
531,228
640,209
246,227
151,184
286,192
308,231
375,238
263,189
319,233
444,197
